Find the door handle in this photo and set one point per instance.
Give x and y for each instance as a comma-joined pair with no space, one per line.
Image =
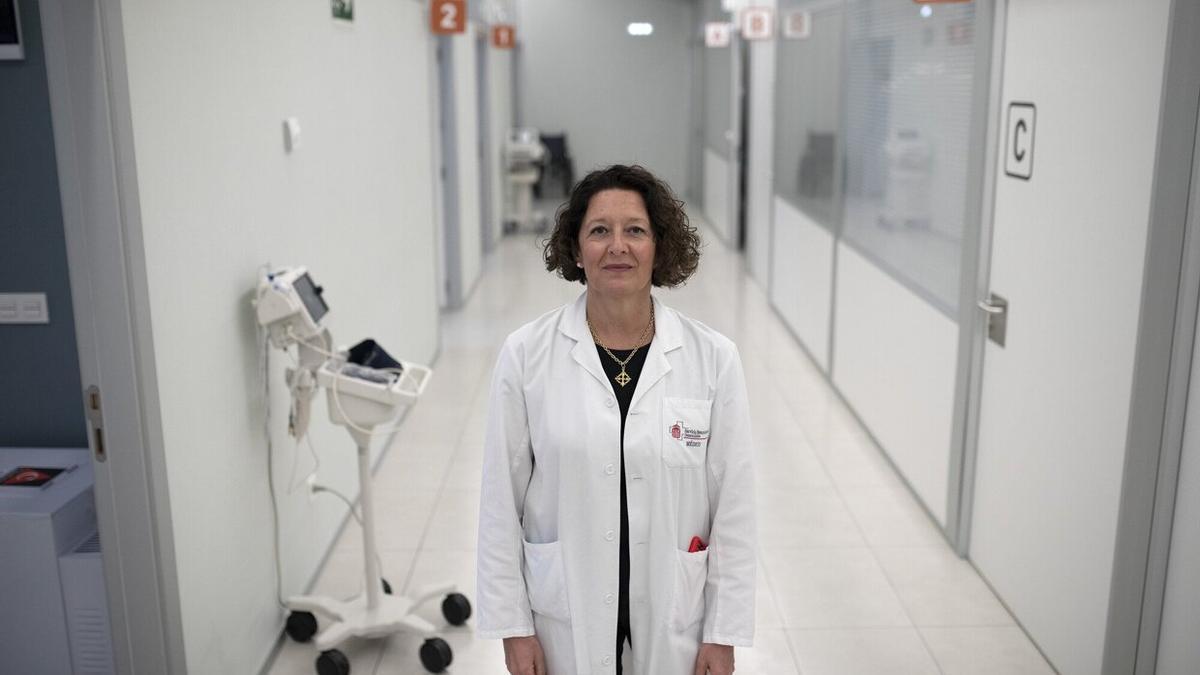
95,417
996,308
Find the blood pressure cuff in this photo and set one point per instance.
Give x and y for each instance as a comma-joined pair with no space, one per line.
368,353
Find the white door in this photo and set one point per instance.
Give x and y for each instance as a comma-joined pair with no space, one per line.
93,141
450,288
1078,122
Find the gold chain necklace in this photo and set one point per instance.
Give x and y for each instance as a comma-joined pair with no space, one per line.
622,377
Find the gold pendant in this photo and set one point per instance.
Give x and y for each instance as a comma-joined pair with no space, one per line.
622,378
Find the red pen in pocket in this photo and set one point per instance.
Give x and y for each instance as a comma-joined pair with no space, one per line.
697,545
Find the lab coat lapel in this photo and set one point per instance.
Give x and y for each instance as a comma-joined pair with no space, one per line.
666,339
574,326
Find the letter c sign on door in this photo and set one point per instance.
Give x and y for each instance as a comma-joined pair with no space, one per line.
1018,142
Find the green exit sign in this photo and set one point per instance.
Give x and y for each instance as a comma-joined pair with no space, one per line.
342,9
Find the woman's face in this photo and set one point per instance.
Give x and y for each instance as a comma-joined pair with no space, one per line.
616,243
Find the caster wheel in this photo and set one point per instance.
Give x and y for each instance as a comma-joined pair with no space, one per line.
436,655
301,626
456,608
333,662
387,588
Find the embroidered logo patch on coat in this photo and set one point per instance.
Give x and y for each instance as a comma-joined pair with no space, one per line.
693,438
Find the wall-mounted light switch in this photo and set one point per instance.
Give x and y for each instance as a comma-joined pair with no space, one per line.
24,308
291,134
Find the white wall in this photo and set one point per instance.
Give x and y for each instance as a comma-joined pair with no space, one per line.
894,363
210,86
466,109
802,278
621,99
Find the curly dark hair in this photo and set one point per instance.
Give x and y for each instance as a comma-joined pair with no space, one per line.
677,244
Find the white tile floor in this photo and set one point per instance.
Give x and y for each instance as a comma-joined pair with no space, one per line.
854,577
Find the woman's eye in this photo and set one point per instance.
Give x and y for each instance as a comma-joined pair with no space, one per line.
599,230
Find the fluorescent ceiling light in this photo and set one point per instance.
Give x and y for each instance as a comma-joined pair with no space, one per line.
640,29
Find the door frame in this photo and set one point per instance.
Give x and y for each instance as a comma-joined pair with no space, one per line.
695,186
110,300
733,137
1163,362
484,122
975,276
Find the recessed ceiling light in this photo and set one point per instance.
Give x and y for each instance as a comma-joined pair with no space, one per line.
640,29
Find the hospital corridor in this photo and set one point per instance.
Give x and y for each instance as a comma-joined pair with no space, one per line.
853,575
600,337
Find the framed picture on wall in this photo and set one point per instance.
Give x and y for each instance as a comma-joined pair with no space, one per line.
10,31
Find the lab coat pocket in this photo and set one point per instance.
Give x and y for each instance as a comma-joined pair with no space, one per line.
546,581
685,425
691,575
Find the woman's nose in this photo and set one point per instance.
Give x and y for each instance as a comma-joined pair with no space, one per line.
618,244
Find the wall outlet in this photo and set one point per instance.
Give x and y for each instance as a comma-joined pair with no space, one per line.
24,308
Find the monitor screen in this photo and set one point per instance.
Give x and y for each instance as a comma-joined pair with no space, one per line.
308,295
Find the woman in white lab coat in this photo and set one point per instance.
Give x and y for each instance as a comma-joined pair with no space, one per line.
616,529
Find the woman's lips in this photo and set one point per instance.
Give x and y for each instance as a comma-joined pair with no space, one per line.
618,268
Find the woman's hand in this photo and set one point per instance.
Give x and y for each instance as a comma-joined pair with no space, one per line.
523,656
714,660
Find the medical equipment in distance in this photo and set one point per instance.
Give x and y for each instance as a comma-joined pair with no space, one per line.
360,397
523,153
50,566
909,181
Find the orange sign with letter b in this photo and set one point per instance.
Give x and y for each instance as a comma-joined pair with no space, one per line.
504,36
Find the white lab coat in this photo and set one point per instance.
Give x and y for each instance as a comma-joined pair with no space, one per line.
549,524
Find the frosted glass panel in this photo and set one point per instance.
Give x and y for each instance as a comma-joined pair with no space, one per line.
718,86
908,106
808,123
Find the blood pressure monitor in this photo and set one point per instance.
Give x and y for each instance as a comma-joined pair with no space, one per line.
290,305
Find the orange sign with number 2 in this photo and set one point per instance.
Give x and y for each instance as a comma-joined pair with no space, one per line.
448,16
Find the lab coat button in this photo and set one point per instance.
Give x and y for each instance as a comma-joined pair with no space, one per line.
608,402
610,535
610,469
608,660
608,599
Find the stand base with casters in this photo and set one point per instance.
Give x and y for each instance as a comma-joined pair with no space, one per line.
376,613
394,614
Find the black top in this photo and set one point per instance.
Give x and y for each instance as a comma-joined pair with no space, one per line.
624,398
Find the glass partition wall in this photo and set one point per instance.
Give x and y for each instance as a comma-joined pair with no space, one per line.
909,79
808,125
718,162
876,107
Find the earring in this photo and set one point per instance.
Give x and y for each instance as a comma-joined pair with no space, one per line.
578,264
